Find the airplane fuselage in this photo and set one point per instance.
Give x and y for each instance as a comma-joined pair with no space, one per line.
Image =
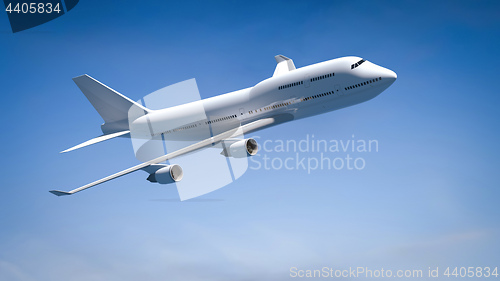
297,94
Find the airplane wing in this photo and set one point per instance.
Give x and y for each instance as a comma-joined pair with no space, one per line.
204,143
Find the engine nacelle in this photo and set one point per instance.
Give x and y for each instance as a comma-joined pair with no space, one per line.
167,174
241,149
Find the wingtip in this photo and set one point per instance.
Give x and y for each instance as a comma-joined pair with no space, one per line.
70,149
59,193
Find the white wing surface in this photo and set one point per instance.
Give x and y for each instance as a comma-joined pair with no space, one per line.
204,143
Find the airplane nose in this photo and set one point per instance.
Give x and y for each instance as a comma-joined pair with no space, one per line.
392,75
388,75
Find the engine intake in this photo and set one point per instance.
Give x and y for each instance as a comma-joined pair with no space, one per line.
168,174
241,149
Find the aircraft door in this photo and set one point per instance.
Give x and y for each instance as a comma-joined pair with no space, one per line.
307,81
242,111
338,91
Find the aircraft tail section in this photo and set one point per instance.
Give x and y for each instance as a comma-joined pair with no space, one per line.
111,105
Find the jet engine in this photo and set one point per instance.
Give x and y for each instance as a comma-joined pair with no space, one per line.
167,174
241,149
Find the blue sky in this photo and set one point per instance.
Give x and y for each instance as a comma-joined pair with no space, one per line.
427,198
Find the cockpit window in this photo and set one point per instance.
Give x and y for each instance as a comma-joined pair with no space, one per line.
353,66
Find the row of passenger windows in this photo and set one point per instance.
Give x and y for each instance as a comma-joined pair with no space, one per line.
290,102
353,66
318,96
176,130
363,84
220,119
290,85
302,82
270,107
322,77
195,125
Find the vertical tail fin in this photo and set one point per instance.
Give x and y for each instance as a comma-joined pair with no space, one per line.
111,105
284,65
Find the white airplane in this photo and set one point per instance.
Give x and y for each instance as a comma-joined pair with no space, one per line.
290,94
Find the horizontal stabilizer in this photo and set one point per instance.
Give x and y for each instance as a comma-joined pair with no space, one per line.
96,140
